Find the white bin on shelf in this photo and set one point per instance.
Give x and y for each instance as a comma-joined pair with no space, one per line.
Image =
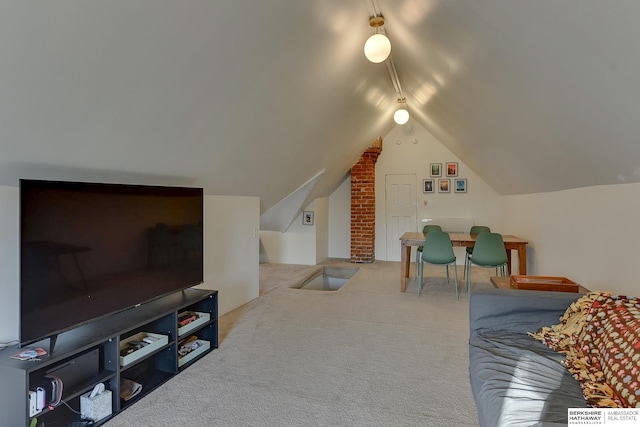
206,345
202,318
147,349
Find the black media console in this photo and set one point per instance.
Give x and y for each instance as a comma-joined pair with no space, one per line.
91,354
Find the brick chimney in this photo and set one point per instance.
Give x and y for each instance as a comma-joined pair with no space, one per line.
363,205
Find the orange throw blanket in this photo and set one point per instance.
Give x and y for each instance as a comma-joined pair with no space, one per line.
600,336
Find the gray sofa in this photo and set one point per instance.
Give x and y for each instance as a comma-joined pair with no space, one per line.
516,380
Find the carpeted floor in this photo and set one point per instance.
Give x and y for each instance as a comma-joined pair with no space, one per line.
366,354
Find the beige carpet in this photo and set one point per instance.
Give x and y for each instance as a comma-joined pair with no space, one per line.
366,354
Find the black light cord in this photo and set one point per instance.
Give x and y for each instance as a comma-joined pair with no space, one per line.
70,408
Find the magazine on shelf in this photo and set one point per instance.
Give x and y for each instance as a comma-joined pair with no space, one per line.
29,353
129,389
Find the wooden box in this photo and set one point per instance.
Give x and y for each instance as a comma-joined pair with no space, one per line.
544,283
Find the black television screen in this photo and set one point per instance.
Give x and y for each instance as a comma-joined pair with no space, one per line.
88,250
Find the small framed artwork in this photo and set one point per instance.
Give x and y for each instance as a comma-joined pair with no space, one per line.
460,185
427,186
452,169
444,185
307,217
436,169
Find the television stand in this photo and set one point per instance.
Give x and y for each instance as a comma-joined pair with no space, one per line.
91,354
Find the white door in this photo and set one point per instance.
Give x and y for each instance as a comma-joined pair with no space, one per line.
401,210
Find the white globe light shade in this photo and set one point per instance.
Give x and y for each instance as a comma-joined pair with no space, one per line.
401,116
377,48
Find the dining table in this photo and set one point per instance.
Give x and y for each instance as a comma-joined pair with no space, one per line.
416,238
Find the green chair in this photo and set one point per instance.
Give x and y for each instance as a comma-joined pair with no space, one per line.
476,229
489,251
437,250
425,230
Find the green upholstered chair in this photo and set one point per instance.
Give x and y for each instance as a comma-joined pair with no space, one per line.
437,250
489,251
476,229
425,230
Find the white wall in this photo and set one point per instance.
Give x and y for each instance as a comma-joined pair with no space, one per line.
400,155
232,249
295,246
9,266
340,221
590,235
322,228
231,254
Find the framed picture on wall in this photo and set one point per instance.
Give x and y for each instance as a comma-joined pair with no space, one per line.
452,168
436,169
444,185
307,217
427,185
460,185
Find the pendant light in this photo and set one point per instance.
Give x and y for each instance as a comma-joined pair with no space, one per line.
377,47
401,116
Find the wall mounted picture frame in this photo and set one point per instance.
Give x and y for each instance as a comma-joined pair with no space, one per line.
428,186
452,168
436,169
460,185
307,217
444,185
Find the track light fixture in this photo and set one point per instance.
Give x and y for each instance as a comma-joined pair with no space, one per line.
377,47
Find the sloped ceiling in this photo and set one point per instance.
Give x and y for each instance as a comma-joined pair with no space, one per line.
248,97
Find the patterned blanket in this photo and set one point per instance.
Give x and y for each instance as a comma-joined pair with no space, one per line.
600,336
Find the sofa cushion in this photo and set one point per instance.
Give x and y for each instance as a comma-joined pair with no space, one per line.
516,311
518,381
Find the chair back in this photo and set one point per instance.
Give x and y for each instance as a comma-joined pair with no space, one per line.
477,229
489,250
432,227
437,248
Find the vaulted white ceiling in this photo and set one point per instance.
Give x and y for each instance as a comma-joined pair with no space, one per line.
252,97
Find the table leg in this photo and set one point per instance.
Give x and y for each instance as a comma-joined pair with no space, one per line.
509,261
405,256
522,259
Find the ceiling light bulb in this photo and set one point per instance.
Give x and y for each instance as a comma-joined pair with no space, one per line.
401,116
377,48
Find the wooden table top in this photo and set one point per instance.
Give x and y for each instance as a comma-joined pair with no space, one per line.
418,236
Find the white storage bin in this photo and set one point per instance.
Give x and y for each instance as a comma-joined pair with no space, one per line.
147,349
194,353
201,320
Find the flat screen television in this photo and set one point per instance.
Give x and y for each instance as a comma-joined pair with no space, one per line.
88,250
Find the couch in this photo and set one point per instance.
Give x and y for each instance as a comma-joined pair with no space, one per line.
515,379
